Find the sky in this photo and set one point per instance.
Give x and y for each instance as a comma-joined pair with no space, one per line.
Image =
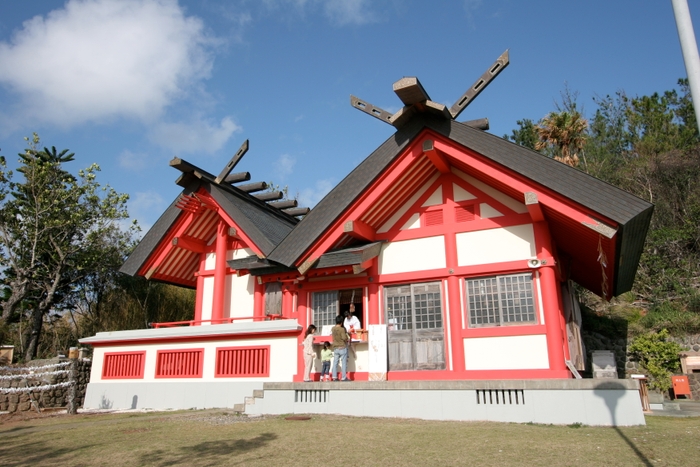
130,84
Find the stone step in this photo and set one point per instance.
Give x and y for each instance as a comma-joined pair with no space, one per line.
259,393
249,400
239,408
672,406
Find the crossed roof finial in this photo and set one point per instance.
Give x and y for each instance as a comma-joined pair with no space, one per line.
416,99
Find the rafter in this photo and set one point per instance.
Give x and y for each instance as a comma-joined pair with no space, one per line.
359,230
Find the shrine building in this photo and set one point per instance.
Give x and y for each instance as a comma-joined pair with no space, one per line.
456,249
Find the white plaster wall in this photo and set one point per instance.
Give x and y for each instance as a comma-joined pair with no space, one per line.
412,255
486,211
239,291
460,194
283,355
358,362
210,262
506,353
207,297
496,245
435,199
513,204
239,253
240,295
413,222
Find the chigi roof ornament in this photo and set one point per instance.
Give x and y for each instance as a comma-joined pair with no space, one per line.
416,99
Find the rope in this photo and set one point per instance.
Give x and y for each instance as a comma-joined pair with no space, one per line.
13,369
36,388
34,375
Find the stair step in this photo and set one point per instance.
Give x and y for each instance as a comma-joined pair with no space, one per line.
249,400
239,407
259,393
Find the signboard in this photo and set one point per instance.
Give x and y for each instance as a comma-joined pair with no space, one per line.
377,352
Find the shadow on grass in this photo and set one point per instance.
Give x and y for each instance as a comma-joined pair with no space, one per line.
610,392
36,453
207,453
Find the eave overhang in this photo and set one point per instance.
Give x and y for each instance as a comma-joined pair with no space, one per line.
610,226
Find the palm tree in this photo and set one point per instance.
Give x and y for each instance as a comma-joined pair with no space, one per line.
564,134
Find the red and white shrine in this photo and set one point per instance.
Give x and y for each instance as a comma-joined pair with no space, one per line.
455,248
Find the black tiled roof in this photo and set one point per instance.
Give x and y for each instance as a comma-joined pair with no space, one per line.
264,225
630,212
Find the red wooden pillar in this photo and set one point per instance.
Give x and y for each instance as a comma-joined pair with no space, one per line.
286,301
217,311
258,300
302,308
199,293
549,284
373,305
454,300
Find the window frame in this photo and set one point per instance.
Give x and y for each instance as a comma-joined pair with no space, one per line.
503,295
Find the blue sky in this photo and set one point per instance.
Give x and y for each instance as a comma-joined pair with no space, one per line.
130,84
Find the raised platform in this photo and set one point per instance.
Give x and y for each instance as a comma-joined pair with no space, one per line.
566,401
546,401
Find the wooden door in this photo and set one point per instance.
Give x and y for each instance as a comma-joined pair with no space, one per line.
415,327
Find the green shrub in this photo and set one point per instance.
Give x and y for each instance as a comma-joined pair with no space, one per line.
658,356
673,317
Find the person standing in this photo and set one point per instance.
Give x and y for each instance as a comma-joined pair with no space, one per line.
309,353
326,360
340,349
351,323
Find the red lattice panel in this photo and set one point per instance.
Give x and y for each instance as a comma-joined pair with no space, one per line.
123,365
180,363
232,362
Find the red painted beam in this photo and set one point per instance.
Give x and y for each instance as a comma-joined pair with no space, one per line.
438,160
359,230
188,243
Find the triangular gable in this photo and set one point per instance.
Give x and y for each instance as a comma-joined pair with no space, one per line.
447,200
172,249
415,198
191,240
587,217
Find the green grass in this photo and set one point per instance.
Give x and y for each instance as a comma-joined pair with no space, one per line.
220,438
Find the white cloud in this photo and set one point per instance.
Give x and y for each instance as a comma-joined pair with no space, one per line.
132,161
340,12
470,8
308,197
146,207
284,165
198,135
100,59
345,12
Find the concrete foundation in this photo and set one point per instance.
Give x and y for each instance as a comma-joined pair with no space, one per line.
560,402
168,395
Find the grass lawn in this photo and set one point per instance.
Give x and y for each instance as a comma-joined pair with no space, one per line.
221,438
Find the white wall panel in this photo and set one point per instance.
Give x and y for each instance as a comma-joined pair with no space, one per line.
501,197
496,245
412,255
506,353
207,297
283,355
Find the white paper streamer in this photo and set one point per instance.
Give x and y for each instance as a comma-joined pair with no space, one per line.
36,388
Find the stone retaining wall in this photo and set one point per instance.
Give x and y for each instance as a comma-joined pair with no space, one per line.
50,398
694,381
626,365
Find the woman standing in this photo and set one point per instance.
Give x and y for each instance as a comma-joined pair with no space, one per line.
309,353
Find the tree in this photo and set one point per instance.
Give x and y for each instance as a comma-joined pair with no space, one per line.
525,135
562,135
53,227
648,146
